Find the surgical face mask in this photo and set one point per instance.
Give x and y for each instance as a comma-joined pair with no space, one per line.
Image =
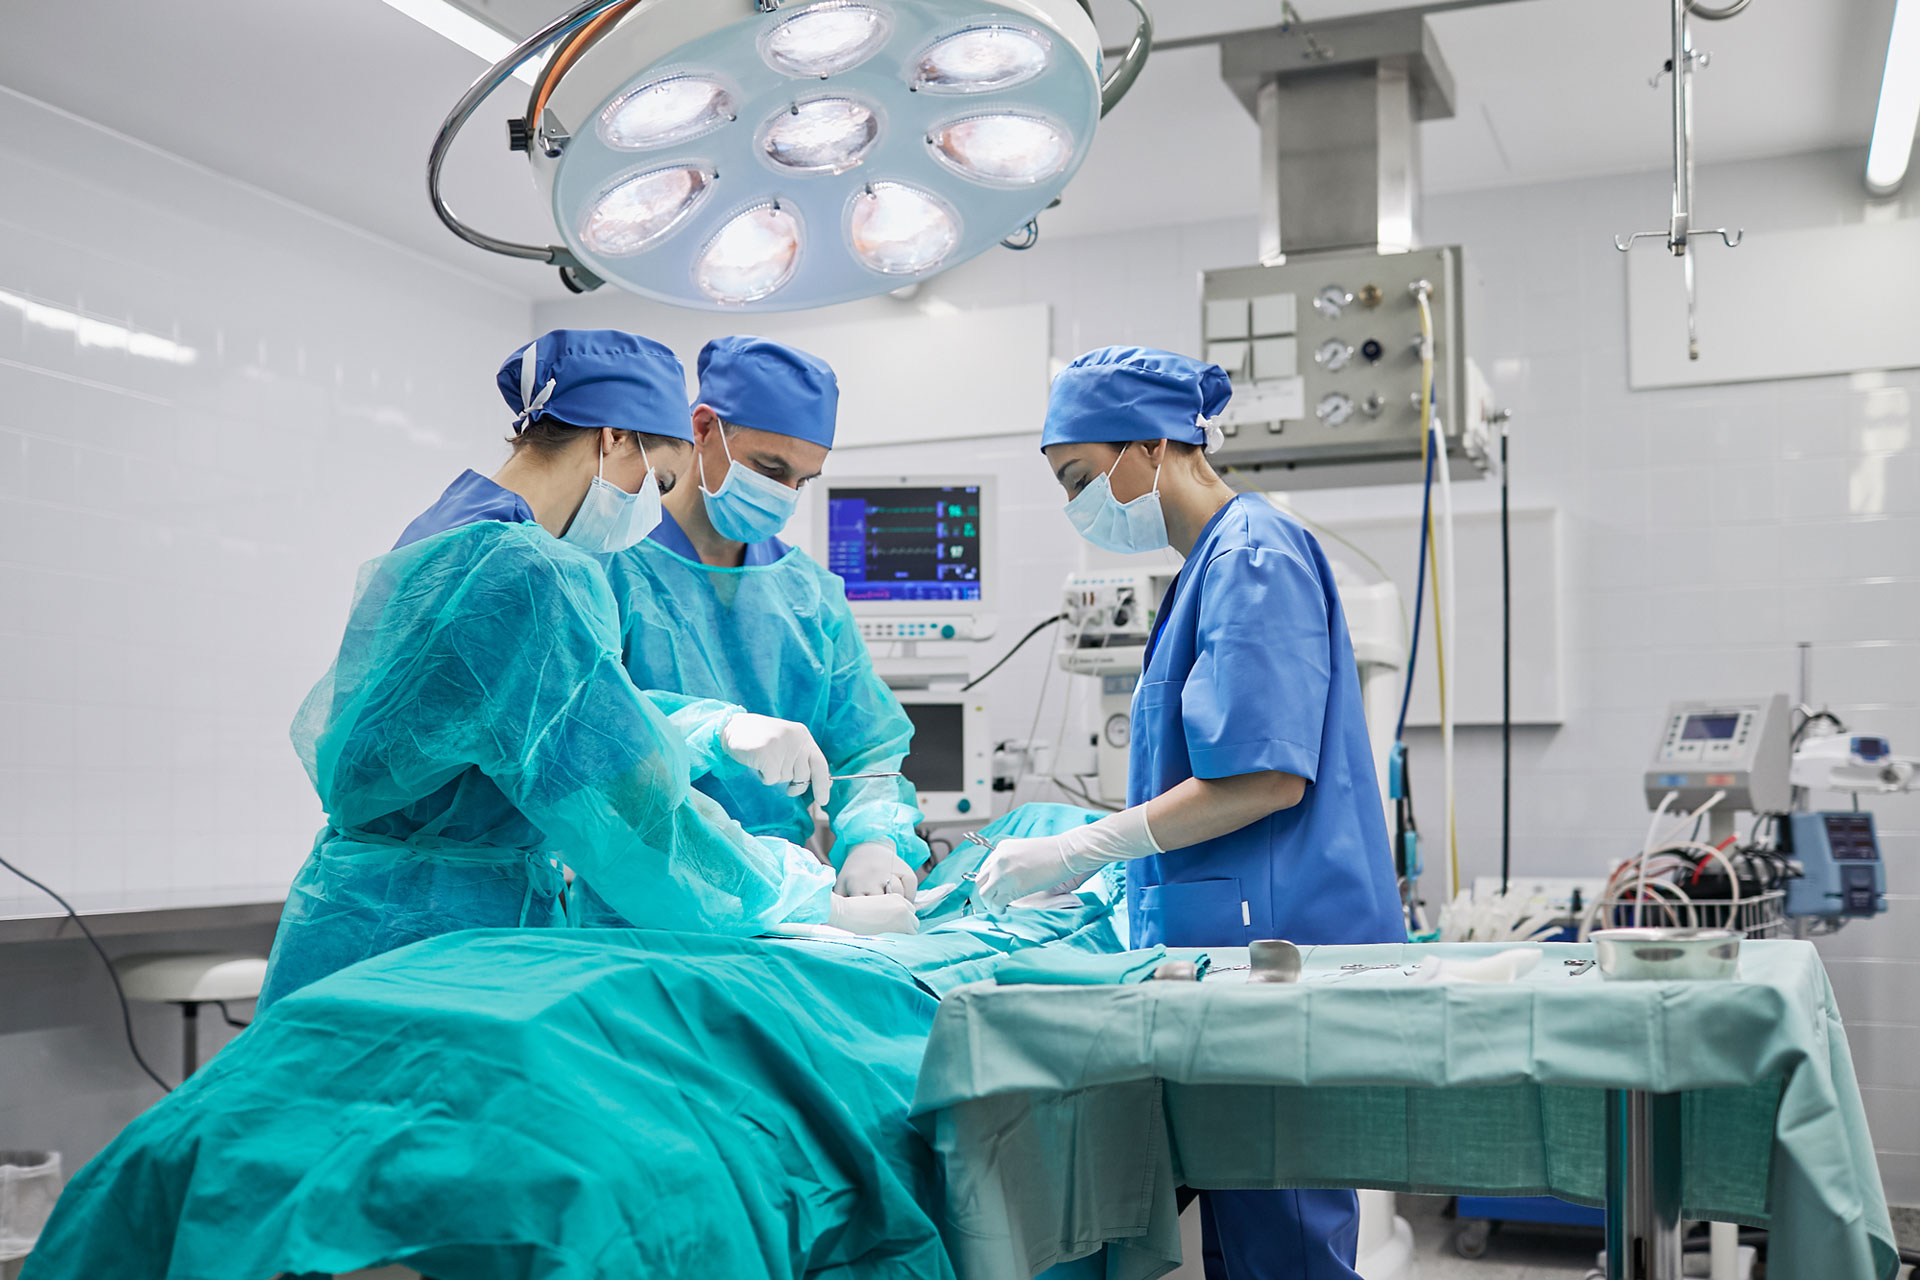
610,519
747,507
1113,525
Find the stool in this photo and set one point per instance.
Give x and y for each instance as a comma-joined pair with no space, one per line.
191,979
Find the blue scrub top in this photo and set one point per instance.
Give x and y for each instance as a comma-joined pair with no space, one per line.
670,535
1250,668
470,498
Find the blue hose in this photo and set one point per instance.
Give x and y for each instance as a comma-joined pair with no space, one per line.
1419,590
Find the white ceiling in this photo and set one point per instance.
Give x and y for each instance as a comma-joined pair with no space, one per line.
333,103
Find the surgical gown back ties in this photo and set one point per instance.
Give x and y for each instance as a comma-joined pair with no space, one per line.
775,637
476,729
1250,669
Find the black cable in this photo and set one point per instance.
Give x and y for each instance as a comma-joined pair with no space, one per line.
230,1020
1038,628
126,1012
1506,679
1839,725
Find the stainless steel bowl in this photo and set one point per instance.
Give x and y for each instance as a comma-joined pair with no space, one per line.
1667,955
1273,960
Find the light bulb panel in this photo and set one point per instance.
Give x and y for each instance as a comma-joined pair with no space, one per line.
726,42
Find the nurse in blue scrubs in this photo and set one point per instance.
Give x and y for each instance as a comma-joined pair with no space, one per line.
1253,810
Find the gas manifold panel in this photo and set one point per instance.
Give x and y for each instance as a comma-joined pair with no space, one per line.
1325,352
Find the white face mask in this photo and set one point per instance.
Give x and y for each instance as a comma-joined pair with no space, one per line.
610,519
1113,525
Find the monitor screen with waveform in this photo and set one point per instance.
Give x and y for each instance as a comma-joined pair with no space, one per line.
903,544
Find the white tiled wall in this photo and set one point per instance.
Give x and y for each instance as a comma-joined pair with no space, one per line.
1707,529
181,538
180,541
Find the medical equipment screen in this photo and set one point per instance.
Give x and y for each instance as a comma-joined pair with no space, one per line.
1713,728
938,760
903,544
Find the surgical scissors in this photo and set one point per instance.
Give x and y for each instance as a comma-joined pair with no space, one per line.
856,777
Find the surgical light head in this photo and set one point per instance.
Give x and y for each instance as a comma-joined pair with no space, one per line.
756,155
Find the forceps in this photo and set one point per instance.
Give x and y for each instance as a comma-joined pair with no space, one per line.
971,878
856,777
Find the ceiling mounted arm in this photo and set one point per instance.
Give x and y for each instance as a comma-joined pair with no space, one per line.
489,80
1132,63
1716,13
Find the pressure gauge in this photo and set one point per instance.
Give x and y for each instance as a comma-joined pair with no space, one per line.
1334,408
1333,355
1119,730
1331,301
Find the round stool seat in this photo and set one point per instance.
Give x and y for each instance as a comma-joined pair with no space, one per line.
191,977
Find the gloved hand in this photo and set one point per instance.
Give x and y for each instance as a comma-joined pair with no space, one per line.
876,913
1019,867
781,752
873,867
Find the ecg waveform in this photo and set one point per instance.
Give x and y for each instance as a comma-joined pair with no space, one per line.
906,544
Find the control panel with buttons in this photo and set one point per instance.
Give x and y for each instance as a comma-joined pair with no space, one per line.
921,629
1739,746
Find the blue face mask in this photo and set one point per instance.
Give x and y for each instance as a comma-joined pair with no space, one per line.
1113,525
747,507
610,519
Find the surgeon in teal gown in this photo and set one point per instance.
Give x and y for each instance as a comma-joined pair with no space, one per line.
477,725
714,605
1253,808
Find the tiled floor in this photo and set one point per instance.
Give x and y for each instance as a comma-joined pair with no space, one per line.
1513,1253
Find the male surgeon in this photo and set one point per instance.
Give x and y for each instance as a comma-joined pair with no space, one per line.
714,605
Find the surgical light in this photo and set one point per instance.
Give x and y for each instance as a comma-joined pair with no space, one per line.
982,59
824,135
1895,121
642,209
771,155
826,39
751,256
669,110
901,230
1014,150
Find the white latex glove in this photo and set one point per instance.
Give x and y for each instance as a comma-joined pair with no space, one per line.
781,752
874,867
877,913
1019,867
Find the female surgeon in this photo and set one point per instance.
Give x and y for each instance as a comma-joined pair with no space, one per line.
477,725
1253,810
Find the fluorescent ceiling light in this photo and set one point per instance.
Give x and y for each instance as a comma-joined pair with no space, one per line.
467,31
98,333
1893,124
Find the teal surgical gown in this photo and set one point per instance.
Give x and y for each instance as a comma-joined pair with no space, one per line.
779,640
477,729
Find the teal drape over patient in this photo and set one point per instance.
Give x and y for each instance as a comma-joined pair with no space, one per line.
547,1104
477,727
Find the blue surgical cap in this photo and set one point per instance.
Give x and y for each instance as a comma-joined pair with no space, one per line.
1115,394
753,382
598,378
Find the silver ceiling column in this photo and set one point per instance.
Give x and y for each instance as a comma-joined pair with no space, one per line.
1338,105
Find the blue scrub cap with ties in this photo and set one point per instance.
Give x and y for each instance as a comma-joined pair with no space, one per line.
598,378
766,385
1113,395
